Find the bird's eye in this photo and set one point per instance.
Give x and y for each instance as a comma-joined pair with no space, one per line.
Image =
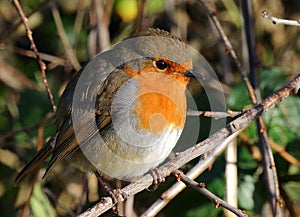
161,65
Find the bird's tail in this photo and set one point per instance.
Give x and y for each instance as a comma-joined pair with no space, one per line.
38,160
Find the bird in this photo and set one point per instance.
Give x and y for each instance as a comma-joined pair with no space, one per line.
124,111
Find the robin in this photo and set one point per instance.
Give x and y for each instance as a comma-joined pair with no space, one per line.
122,114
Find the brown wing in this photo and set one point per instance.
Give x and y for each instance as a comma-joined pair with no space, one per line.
64,142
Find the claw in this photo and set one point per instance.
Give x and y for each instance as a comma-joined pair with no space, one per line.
158,178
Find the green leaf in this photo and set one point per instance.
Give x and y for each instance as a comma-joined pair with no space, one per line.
293,190
238,97
40,204
246,190
271,79
283,121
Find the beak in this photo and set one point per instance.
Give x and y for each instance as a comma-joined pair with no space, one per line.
190,73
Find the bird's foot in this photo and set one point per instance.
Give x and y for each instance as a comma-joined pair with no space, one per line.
117,195
158,178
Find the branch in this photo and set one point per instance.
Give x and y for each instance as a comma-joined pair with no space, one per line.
36,52
205,146
63,36
216,115
201,188
54,60
277,21
211,11
102,25
10,134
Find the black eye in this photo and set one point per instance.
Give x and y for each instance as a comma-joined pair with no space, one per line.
161,65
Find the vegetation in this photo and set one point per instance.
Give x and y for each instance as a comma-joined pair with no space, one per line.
26,110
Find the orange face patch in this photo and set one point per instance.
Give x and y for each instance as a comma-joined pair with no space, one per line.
173,69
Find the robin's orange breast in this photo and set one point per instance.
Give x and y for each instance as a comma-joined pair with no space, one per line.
160,102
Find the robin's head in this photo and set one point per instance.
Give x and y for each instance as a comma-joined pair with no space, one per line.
159,52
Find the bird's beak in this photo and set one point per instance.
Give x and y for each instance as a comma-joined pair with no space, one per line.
190,73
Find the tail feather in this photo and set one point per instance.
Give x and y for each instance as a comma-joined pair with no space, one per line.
38,160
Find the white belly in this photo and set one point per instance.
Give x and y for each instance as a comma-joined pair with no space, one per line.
125,161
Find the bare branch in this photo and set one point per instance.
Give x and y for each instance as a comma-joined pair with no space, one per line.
15,26
63,36
280,150
200,187
211,11
102,25
213,114
10,134
34,48
56,61
277,21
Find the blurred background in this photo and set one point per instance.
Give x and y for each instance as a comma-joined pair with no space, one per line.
70,33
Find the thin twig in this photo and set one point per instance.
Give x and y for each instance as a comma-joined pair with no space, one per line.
229,131
213,114
140,17
63,36
102,25
270,173
26,129
34,48
200,187
54,198
81,9
208,5
92,36
58,61
280,150
277,21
